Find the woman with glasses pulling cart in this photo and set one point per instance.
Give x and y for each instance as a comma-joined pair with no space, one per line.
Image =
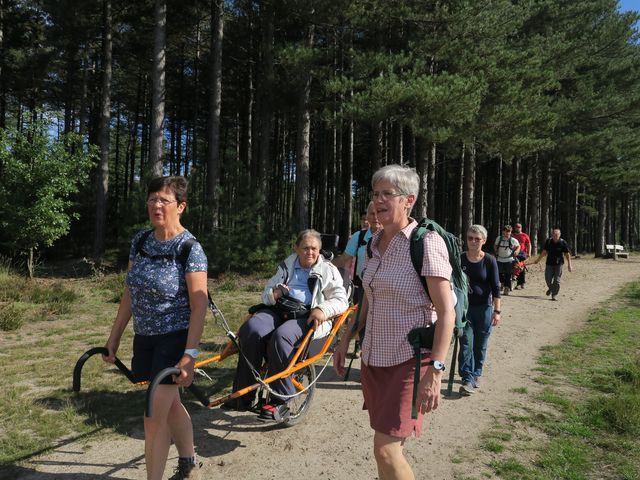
167,297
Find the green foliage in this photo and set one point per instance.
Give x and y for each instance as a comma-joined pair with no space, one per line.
39,176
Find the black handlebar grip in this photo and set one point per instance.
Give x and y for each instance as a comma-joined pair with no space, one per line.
77,371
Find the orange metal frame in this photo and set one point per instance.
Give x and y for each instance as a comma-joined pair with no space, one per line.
294,364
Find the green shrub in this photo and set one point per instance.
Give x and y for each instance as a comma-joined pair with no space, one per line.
11,317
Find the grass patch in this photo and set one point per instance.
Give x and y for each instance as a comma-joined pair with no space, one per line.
591,381
11,317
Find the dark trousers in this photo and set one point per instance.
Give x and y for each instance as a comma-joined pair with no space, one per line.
505,269
552,276
267,335
521,278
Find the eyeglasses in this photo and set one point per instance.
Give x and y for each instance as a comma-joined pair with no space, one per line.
474,239
162,201
385,195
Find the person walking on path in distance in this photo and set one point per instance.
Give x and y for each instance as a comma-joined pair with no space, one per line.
168,303
506,248
395,303
556,250
525,252
484,308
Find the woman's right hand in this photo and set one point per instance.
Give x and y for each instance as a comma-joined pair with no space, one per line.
339,357
280,290
112,346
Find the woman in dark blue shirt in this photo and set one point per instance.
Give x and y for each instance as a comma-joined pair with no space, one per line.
484,308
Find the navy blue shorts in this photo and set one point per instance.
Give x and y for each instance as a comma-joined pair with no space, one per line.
154,353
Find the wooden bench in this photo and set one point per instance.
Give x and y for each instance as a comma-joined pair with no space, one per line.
615,251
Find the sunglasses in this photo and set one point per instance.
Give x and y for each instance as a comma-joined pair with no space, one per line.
474,239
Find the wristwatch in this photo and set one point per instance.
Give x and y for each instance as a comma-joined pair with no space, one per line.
192,352
438,365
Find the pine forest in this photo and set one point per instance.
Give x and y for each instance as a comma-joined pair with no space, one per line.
279,112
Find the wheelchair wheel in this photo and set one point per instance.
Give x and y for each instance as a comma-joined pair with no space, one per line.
299,406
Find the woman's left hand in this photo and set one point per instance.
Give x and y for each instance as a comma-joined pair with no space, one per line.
428,397
186,366
317,317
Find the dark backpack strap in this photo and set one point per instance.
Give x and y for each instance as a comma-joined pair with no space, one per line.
369,251
185,251
416,250
183,254
140,243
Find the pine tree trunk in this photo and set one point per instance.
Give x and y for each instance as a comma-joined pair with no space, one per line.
156,148
215,105
468,192
347,181
515,191
265,105
422,167
3,99
545,201
458,198
534,225
302,151
431,183
601,230
102,177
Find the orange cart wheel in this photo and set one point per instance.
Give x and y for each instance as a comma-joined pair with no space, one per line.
299,406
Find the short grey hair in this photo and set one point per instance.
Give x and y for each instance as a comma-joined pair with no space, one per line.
479,229
310,232
405,179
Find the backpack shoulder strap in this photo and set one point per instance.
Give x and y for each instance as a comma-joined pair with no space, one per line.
140,243
369,251
185,250
416,249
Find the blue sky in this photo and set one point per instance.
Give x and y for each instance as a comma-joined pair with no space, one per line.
629,5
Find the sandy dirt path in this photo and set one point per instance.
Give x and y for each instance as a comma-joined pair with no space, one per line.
334,441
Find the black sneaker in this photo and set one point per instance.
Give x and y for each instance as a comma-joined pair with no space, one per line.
548,293
186,470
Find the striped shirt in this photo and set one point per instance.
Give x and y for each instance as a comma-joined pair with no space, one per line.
397,300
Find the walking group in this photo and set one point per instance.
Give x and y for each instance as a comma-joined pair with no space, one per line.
398,294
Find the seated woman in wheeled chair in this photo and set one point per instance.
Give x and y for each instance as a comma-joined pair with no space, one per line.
305,292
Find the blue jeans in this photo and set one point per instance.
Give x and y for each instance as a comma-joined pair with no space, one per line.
473,342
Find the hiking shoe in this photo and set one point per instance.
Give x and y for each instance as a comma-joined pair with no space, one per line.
466,389
476,384
548,293
553,297
186,470
274,413
506,291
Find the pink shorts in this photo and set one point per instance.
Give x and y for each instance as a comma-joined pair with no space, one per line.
388,393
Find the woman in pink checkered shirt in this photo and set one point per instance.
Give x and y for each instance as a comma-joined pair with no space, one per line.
395,303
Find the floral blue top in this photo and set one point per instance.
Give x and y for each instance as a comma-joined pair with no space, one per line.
159,296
